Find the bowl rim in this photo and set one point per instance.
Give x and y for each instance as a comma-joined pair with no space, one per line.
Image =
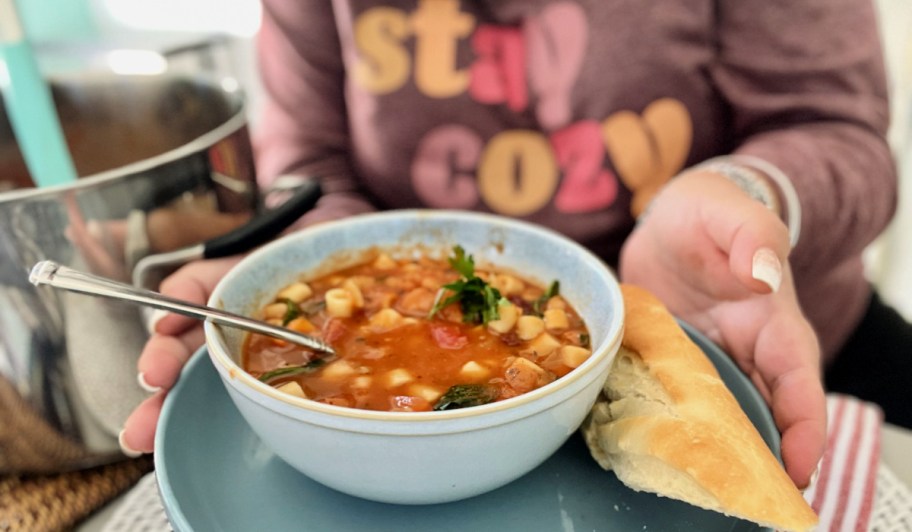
218,351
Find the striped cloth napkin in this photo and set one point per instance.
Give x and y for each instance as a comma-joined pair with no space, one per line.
843,494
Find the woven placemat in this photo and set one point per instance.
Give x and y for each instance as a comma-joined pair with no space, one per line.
49,503
28,442
893,505
140,510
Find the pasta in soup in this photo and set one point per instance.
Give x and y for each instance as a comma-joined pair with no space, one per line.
419,334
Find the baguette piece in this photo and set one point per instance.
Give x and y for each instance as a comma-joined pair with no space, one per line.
666,423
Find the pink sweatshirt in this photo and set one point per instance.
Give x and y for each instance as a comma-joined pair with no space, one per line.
563,112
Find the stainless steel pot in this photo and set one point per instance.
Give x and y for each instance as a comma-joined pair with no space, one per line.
168,177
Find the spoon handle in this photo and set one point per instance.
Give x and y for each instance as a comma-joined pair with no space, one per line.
52,274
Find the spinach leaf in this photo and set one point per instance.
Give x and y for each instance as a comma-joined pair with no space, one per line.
465,395
292,311
291,371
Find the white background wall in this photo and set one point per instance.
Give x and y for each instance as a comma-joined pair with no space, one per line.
890,259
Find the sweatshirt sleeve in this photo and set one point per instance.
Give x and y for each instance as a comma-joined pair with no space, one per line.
807,90
303,128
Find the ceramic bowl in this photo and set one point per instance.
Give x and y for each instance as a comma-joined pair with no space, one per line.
420,457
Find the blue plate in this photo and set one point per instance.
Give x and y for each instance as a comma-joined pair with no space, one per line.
215,474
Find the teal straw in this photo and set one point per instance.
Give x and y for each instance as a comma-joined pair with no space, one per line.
30,106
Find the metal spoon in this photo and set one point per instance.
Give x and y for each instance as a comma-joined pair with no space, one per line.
52,274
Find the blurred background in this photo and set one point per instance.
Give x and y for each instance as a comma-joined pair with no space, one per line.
136,37
890,259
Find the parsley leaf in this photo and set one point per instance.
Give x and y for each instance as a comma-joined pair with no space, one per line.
462,263
477,299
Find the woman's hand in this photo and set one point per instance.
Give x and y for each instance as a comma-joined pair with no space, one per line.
173,341
719,260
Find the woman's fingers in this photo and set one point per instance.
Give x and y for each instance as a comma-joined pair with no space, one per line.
173,342
754,238
159,367
789,361
715,256
164,356
799,407
803,443
176,337
138,435
194,283
713,237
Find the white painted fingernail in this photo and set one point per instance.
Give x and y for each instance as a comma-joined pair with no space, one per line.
814,476
767,268
124,448
154,317
141,379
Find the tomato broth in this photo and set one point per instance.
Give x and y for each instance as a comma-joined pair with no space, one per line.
419,334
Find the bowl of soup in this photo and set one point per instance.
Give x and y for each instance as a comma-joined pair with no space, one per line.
468,348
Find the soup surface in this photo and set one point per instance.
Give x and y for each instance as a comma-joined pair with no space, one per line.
419,334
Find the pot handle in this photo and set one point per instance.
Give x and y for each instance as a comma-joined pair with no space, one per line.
258,231
267,226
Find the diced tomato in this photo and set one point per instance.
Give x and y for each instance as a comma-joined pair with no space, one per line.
333,329
448,336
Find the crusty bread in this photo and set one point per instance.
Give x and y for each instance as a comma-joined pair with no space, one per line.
666,424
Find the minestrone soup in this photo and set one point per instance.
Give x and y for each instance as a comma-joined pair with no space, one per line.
419,334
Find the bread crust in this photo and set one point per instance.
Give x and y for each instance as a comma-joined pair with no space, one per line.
666,423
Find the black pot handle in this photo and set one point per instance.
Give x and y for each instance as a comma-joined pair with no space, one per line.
264,227
149,271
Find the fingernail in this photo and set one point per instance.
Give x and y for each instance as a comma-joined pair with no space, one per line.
814,476
124,448
154,317
141,379
767,268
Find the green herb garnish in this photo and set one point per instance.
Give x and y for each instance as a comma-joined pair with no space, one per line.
465,395
539,305
462,263
477,299
291,371
292,311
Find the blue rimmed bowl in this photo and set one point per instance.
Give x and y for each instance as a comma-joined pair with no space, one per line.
420,457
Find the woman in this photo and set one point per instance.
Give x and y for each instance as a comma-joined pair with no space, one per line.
576,115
